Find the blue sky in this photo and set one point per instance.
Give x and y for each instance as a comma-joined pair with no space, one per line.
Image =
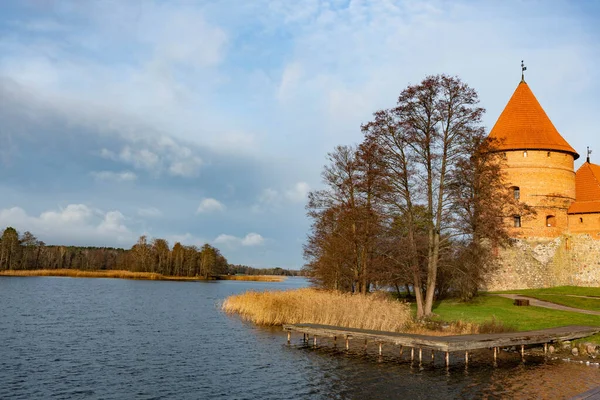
209,121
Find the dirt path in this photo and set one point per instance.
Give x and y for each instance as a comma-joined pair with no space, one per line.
546,304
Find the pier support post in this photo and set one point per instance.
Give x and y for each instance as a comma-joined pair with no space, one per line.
420,355
495,356
315,341
289,337
365,344
545,348
335,341
447,359
347,343
401,349
432,356
523,352
412,354
466,358
380,348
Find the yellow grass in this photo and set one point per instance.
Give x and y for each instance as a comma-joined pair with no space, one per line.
75,273
261,278
320,307
377,311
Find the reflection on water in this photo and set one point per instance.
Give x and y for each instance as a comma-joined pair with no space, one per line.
112,339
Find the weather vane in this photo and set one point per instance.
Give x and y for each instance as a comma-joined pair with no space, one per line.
523,69
589,153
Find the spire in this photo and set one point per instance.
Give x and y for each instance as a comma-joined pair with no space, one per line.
523,69
589,153
524,125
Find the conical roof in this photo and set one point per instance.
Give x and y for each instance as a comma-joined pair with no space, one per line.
587,189
524,125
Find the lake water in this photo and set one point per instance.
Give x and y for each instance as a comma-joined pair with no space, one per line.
65,338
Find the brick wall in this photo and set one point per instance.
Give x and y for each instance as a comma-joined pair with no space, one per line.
546,181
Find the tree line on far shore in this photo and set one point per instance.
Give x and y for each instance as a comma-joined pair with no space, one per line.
26,252
421,203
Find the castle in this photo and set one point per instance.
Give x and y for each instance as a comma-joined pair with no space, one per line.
560,244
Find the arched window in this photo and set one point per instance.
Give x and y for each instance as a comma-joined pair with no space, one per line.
580,220
516,192
550,220
517,221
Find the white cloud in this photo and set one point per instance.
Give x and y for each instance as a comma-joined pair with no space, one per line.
186,168
122,176
141,159
74,224
298,193
250,240
166,155
271,198
209,205
187,239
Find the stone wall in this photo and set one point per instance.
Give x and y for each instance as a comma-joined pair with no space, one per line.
541,262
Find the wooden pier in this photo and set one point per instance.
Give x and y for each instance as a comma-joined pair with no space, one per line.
445,344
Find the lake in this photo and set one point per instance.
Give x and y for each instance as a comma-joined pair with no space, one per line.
75,338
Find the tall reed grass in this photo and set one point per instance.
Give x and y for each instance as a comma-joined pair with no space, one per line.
378,311
261,278
75,273
320,307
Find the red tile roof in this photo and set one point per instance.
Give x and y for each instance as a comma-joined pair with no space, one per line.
587,189
524,125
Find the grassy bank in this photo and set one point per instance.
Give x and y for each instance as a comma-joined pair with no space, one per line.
522,318
75,273
565,295
123,274
559,290
377,311
484,314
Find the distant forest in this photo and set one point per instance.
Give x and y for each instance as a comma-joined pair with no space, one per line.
26,252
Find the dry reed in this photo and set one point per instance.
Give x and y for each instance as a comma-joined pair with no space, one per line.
261,278
320,307
75,273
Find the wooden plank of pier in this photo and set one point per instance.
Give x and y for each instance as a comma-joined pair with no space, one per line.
450,343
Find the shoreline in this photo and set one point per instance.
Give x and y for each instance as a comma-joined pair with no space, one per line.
124,274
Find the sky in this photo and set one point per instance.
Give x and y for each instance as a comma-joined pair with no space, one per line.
210,121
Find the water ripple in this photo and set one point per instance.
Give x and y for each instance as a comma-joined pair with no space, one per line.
68,338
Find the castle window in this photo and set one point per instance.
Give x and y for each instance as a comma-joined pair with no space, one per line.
524,154
516,192
548,154
580,220
550,220
517,221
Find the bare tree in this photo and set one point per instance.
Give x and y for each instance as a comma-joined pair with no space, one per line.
426,136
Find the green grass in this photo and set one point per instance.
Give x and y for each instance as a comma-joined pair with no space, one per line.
577,302
486,308
564,295
564,290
